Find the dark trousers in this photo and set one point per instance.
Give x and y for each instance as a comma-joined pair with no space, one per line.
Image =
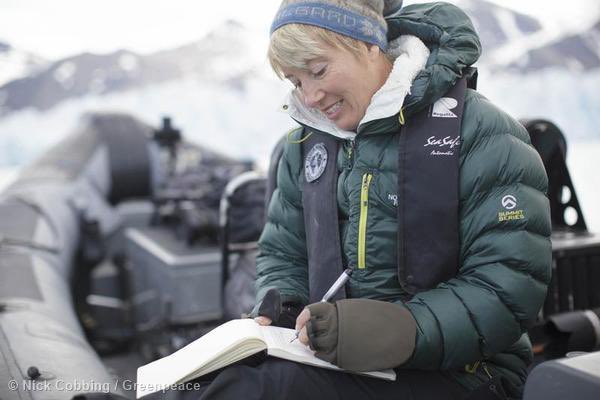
276,379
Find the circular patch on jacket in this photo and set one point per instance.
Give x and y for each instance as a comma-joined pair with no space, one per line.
315,162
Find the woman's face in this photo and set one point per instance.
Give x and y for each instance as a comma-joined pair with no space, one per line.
340,84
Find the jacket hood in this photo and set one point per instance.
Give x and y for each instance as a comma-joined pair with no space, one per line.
453,44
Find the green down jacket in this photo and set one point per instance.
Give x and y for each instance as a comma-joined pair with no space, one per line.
478,318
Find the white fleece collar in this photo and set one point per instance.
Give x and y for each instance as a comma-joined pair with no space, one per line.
410,56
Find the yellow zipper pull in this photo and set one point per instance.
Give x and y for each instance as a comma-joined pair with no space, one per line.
362,223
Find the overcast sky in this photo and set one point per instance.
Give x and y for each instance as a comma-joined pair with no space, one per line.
58,28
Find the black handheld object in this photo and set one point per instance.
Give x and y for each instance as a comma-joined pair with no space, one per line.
270,306
281,314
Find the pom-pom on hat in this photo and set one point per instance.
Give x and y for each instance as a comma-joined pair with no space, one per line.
361,20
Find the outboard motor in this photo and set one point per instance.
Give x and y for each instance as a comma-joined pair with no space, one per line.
174,263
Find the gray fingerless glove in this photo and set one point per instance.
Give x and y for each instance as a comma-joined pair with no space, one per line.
322,331
362,334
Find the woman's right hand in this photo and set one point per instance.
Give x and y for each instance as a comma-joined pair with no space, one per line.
269,305
261,320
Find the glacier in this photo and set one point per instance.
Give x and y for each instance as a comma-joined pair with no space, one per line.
240,117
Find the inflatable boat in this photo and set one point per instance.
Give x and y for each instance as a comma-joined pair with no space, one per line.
64,225
123,243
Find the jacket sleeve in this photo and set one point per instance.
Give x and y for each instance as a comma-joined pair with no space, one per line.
282,259
506,255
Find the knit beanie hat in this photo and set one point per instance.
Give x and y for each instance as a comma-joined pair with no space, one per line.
361,20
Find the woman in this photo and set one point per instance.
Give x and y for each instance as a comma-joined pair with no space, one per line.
439,208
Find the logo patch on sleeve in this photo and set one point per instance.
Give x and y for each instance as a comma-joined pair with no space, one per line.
509,203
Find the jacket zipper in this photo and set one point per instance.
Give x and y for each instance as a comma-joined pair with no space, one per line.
362,223
350,154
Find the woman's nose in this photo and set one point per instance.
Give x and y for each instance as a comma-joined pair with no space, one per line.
312,95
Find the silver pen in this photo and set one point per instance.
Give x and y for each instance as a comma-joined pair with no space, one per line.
337,285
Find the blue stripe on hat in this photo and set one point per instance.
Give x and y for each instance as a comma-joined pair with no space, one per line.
333,18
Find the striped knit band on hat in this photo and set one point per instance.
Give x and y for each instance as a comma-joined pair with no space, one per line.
361,20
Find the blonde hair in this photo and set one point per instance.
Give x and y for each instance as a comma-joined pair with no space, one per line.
294,45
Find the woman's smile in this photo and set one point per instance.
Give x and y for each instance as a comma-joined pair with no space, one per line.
333,111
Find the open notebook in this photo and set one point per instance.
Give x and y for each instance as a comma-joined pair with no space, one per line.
231,342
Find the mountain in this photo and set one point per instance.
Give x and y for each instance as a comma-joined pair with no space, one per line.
498,25
220,86
226,54
229,54
218,90
576,53
15,63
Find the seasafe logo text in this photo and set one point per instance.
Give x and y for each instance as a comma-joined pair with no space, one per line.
446,144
